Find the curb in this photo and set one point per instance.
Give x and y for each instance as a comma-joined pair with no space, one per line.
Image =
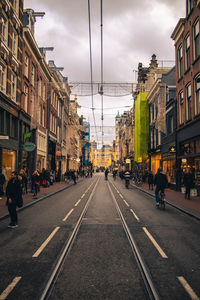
168,202
2,217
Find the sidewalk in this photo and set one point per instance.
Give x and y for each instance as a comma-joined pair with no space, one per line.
176,199
28,198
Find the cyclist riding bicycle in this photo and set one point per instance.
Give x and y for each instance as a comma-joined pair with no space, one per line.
161,183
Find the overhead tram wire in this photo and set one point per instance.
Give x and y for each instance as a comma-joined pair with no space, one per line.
91,69
102,117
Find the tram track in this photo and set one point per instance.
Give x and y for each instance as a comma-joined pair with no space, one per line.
58,266
143,270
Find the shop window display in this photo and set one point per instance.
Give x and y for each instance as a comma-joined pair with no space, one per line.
8,162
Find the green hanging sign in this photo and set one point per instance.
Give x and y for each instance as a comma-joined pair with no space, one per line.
29,147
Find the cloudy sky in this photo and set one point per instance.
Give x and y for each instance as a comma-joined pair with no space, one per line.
132,31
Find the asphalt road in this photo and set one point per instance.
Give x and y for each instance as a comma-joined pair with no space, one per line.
100,264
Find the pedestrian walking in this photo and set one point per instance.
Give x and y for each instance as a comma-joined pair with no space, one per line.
73,175
150,180
35,183
13,193
2,181
188,183
106,174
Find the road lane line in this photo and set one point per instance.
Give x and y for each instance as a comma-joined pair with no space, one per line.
9,288
188,288
82,196
37,253
69,213
135,215
162,253
77,203
121,196
126,203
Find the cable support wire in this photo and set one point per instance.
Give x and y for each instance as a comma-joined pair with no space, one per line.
91,69
102,117
98,108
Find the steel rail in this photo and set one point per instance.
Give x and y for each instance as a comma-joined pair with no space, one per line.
151,290
54,275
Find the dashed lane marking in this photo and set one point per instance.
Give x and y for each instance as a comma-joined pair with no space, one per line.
9,288
121,196
188,288
126,203
135,215
162,253
67,216
83,196
77,203
37,253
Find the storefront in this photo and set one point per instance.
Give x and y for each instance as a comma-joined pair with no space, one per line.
190,159
8,162
155,163
169,167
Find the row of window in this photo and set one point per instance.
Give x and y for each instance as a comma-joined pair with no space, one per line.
155,138
4,35
53,123
8,124
185,112
3,82
186,49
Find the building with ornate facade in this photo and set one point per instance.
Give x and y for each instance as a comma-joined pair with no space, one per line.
186,38
13,119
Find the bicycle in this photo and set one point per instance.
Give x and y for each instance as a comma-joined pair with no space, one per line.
138,182
161,200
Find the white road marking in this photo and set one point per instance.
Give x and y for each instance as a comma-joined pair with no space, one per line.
126,203
37,253
162,253
77,203
82,196
69,213
188,288
121,196
135,215
9,288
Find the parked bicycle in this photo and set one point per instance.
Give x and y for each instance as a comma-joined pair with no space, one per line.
137,181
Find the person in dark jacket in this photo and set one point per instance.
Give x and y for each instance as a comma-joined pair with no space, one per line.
73,176
150,180
188,182
160,182
2,181
106,174
13,192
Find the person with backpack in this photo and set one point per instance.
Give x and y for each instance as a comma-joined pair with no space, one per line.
14,194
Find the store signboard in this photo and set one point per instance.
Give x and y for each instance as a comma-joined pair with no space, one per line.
128,161
4,137
172,149
29,147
